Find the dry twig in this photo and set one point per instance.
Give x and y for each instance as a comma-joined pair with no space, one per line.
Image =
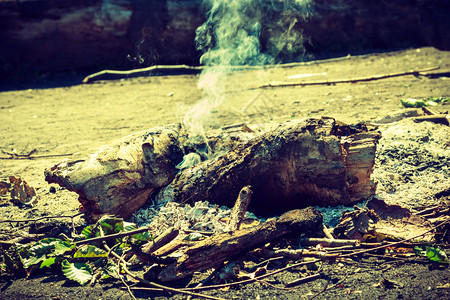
246,281
328,242
441,119
303,280
111,236
395,243
41,218
422,72
254,279
13,155
329,288
142,70
135,277
90,78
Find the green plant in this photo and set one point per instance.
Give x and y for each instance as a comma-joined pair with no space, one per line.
78,263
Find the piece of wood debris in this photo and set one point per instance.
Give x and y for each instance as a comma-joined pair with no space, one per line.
440,119
213,251
239,209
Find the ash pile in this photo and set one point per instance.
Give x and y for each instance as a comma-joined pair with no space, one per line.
201,218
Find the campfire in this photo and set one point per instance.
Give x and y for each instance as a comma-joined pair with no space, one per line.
294,165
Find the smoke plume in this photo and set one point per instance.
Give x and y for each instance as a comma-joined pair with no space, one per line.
251,32
243,32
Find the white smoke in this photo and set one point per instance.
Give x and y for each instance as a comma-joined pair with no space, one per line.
243,32
251,32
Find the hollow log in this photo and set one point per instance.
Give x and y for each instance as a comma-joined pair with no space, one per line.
216,249
297,164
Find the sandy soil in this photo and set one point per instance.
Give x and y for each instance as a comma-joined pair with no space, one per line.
72,121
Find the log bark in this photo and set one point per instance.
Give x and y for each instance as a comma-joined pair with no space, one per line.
119,178
297,164
216,249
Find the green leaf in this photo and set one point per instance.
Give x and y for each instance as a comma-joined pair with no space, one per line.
90,251
432,253
79,272
128,226
43,246
436,254
50,261
30,260
50,245
39,251
416,103
62,247
104,276
143,236
111,225
110,270
87,231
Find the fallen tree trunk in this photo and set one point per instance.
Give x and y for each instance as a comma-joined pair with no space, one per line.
216,249
297,164
312,162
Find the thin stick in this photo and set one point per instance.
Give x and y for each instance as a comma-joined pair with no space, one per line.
441,119
267,261
111,236
257,278
124,266
213,273
110,250
327,233
426,210
36,156
328,242
400,259
142,70
90,78
428,111
218,286
333,286
396,243
41,218
348,80
302,280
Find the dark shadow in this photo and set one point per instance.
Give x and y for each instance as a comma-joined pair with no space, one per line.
6,285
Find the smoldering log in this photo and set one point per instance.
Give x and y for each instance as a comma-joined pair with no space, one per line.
301,163
119,178
297,164
213,251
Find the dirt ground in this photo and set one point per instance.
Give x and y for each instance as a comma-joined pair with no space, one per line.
71,121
